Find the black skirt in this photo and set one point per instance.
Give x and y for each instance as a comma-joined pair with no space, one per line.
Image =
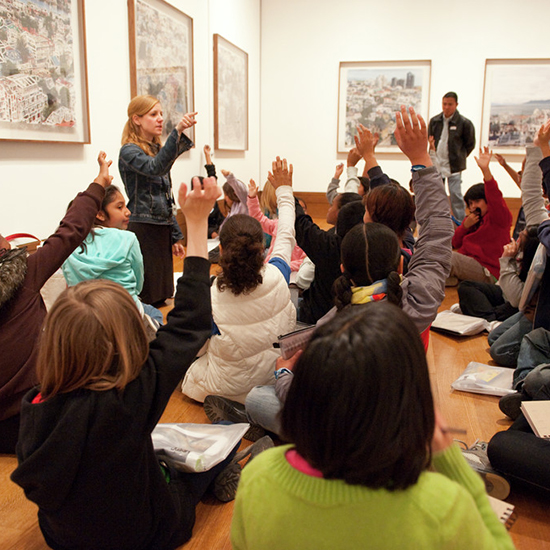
156,247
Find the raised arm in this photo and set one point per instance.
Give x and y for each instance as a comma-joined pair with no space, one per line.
73,229
365,142
281,179
424,284
531,187
254,209
510,171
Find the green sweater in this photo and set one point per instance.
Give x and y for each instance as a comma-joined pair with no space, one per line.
279,507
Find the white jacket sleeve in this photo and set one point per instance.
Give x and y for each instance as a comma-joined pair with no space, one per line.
285,240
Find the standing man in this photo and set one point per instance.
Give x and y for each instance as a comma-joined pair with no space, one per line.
453,137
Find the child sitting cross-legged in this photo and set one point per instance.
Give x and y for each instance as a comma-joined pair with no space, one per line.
85,452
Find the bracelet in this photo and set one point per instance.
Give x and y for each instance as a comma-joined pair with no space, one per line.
281,371
417,167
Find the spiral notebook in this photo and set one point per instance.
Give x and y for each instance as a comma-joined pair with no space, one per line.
504,511
537,414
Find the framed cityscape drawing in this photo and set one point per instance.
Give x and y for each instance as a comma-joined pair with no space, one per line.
161,58
516,101
43,75
370,92
230,96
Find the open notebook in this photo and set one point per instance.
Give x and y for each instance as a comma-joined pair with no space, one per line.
504,511
537,414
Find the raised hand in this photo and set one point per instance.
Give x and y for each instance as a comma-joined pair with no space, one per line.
252,189
225,173
354,156
281,173
431,141
103,178
365,142
510,250
501,160
197,203
483,161
411,135
187,120
542,139
207,154
338,171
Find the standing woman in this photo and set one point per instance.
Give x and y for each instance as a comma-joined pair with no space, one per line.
144,166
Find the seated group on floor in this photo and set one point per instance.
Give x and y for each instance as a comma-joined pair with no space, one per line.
365,444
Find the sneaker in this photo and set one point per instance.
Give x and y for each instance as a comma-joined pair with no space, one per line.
254,450
455,308
227,481
219,408
510,404
476,456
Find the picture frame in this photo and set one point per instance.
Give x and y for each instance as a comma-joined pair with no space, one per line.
516,102
43,74
230,96
161,58
370,92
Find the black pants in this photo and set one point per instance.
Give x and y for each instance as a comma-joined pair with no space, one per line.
522,457
484,300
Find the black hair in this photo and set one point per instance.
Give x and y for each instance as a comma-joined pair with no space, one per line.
242,254
369,253
360,407
349,215
475,193
451,95
346,198
365,183
528,248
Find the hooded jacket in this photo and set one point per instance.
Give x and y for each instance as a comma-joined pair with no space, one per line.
108,254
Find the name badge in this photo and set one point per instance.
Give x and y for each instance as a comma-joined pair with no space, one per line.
452,128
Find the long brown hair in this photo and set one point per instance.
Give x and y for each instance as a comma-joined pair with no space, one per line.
93,338
140,106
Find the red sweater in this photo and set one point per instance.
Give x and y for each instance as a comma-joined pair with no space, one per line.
485,243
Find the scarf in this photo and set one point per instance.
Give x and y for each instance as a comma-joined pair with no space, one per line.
372,293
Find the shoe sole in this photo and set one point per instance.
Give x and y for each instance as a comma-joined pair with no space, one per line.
227,481
218,410
496,486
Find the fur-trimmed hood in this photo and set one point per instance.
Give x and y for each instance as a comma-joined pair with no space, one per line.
13,269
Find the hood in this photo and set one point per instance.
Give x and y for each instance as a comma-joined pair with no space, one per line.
50,448
13,269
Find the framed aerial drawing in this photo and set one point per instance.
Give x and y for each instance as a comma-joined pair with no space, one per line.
161,58
516,101
230,96
370,92
43,78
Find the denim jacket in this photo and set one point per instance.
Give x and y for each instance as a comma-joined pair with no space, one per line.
148,184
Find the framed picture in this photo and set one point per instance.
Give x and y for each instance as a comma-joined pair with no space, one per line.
230,96
43,78
370,92
516,101
161,58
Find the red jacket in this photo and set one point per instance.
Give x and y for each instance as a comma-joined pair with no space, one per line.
485,243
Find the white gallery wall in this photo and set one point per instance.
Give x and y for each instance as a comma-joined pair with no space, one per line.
303,42
39,179
294,49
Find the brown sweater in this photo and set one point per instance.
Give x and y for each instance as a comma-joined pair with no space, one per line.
22,316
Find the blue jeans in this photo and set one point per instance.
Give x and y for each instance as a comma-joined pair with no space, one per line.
534,351
454,181
263,407
506,339
154,313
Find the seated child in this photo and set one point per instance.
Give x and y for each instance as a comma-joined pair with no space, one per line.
22,309
356,468
481,237
110,252
269,226
85,455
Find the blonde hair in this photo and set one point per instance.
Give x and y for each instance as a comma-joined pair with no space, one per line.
268,199
93,338
139,106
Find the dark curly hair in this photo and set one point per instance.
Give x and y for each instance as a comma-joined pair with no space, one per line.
242,254
369,253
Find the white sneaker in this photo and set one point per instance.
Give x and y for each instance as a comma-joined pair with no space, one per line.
455,308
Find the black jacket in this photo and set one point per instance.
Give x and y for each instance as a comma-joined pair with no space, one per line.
86,457
462,138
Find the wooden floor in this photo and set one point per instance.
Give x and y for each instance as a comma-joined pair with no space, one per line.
447,356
